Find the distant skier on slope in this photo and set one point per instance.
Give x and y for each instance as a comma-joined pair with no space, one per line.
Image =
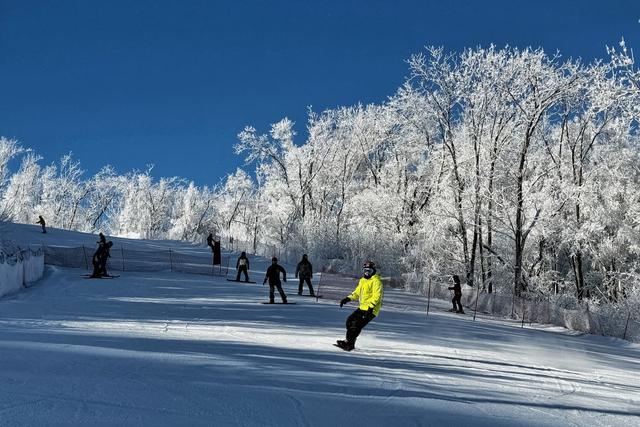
210,241
457,294
304,271
273,275
369,292
42,223
242,265
99,260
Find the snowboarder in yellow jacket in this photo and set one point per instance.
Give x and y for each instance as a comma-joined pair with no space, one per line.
369,292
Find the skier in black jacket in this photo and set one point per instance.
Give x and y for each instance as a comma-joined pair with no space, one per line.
457,294
304,271
210,241
99,260
273,275
42,223
243,267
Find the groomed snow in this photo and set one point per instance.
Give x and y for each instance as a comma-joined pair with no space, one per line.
173,349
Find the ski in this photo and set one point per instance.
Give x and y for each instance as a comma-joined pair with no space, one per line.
240,281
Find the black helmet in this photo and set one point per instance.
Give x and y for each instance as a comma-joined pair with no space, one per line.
274,259
368,269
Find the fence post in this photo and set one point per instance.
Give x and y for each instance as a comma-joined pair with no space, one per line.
86,263
122,252
429,295
475,310
170,260
624,337
534,309
318,288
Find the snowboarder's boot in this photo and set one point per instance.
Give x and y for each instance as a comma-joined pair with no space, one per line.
284,300
452,310
460,311
345,345
271,301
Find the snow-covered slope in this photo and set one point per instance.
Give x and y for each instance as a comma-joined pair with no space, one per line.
174,349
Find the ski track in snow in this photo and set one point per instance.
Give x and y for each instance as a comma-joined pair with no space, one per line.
174,349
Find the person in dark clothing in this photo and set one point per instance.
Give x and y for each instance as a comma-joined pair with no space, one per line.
42,223
99,260
273,275
304,271
369,294
457,294
210,241
243,267
102,240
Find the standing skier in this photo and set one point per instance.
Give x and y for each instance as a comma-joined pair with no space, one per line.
369,292
210,241
42,223
243,267
273,275
99,260
457,294
304,271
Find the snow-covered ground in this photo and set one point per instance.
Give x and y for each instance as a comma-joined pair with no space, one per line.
176,349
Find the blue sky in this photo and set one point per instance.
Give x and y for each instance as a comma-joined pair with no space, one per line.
130,83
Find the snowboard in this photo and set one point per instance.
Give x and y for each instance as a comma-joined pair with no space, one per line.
283,303
454,312
88,276
240,281
343,349
311,296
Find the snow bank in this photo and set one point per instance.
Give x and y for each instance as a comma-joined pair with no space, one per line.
608,322
19,269
621,320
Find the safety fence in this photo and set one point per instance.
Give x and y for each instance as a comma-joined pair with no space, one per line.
122,258
621,320
20,268
285,255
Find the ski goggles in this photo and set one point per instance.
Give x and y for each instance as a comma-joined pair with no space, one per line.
367,271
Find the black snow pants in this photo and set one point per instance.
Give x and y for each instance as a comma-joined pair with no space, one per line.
272,293
300,285
355,323
456,301
242,269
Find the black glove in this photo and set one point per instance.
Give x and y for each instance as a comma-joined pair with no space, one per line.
344,301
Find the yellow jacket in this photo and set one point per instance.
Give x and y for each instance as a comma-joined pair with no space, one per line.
370,293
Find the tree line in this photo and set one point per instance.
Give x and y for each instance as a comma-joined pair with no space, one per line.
515,169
